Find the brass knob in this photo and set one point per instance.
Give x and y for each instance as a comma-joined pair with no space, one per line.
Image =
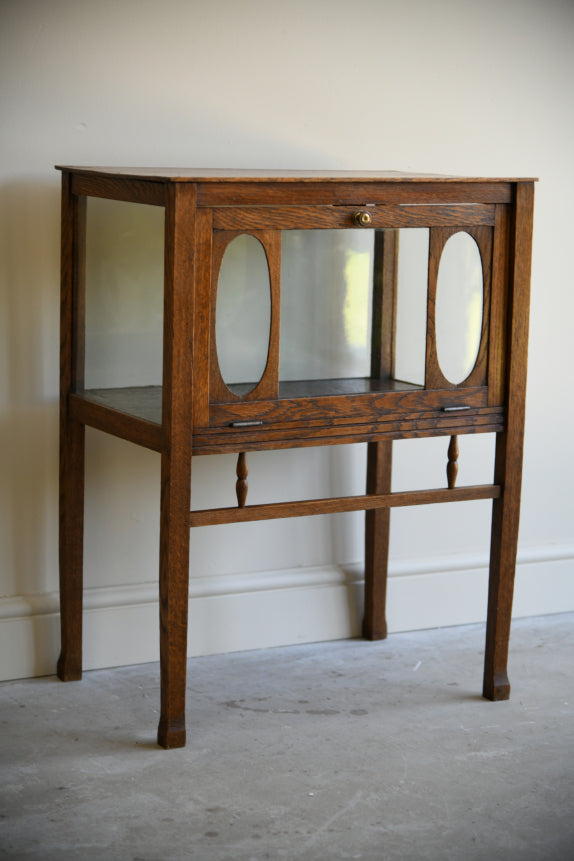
362,218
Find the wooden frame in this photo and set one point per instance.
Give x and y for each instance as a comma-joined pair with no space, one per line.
268,385
434,377
195,412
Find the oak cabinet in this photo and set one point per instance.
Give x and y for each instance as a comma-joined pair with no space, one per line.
288,309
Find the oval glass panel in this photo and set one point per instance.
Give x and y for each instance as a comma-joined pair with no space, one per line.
458,312
243,314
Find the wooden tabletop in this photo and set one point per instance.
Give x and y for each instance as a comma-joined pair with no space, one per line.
176,174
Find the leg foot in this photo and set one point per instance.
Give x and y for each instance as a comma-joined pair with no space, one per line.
375,633
496,688
66,670
171,734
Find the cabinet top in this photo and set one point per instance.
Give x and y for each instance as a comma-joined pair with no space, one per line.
176,174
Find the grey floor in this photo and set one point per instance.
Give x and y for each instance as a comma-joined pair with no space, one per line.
332,751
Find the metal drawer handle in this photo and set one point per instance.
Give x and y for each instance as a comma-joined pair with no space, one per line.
245,424
454,409
362,218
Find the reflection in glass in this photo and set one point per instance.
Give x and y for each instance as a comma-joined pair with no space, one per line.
412,287
124,294
243,312
326,299
459,301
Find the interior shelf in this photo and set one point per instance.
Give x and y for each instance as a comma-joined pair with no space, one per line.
144,402
291,389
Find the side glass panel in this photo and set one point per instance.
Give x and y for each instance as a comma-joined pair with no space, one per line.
124,294
459,301
243,312
326,300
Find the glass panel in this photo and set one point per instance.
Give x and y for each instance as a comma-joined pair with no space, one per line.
412,288
124,294
243,313
326,298
459,301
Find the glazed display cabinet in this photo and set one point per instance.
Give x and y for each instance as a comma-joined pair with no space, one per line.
235,311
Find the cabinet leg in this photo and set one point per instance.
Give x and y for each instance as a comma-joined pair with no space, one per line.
72,435
173,589
504,537
377,529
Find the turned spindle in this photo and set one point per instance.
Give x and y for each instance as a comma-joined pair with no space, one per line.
241,484
452,465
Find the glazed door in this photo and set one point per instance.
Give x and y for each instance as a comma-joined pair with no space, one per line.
309,305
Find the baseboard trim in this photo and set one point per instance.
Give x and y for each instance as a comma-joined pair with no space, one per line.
261,609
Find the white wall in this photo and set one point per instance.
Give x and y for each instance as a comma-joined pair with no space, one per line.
448,86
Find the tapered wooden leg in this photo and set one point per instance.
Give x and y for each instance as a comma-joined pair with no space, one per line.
72,433
379,454
176,461
173,588
71,548
508,463
377,528
504,537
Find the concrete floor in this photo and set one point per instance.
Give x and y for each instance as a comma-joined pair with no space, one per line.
332,751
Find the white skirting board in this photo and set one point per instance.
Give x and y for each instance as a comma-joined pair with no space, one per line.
259,610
